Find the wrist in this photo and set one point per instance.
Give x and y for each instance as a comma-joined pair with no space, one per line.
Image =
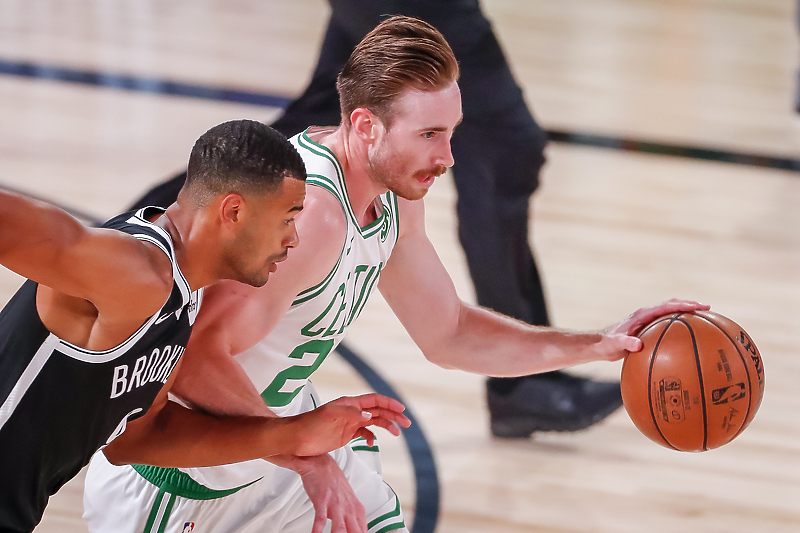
310,463
281,436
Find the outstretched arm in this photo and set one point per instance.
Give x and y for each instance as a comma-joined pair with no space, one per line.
174,436
454,334
110,269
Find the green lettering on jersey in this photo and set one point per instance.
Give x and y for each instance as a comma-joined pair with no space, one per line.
360,269
366,290
274,395
307,328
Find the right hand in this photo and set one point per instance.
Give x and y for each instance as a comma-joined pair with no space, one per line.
620,339
336,423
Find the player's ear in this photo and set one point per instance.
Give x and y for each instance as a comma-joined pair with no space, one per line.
365,124
232,209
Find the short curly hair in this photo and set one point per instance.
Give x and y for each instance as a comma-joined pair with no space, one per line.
241,156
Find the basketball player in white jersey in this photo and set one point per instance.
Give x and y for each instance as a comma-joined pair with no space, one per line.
362,227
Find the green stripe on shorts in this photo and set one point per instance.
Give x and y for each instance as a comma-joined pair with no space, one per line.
390,514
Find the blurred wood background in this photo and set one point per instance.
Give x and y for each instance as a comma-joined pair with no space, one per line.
612,230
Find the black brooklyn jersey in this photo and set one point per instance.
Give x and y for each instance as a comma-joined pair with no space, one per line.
60,403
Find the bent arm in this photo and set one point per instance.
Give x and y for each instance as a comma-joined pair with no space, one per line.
454,334
233,317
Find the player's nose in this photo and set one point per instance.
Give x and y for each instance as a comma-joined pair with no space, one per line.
446,155
292,239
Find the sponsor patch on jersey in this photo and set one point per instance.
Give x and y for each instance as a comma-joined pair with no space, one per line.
194,305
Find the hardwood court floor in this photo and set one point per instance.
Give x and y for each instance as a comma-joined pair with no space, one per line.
613,230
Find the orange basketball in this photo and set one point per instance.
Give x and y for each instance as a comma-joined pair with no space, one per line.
696,384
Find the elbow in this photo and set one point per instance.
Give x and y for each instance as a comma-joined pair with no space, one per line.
440,357
446,348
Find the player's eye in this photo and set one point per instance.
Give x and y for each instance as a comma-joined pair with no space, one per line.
429,134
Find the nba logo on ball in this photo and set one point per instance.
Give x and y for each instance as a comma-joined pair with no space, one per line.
188,527
696,384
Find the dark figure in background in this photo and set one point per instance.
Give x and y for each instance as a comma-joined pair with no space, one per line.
498,151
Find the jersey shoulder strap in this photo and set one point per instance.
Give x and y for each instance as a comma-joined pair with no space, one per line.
137,224
323,169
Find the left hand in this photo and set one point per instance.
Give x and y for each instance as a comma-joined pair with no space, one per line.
620,338
332,496
336,423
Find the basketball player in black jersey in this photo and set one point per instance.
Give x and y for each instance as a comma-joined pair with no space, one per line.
90,343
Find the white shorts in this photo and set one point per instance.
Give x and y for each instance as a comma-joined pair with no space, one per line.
127,499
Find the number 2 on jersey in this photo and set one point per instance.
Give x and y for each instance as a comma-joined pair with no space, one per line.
276,394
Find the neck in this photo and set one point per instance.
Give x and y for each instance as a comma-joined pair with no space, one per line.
361,188
193,258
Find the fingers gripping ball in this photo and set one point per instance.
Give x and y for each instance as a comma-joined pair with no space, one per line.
696,384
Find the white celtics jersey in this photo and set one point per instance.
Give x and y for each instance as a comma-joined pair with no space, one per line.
320,316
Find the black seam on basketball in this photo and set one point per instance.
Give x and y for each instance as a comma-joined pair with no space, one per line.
746,369
651,325
650,382
700,381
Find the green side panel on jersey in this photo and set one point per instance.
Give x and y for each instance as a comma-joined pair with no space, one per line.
392,527
365,448
154,511
179,483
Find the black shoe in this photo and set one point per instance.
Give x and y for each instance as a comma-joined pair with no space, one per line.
554,401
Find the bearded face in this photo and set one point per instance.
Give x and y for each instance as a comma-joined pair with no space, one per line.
408,155
399,171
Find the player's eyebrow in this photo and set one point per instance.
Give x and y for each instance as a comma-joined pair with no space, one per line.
442,128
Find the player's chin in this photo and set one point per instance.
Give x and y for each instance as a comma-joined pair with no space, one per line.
412,194
256,279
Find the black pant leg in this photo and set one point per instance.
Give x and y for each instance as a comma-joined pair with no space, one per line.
163,194
319,103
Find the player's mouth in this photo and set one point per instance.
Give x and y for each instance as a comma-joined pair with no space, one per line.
273,264
427,180
427,176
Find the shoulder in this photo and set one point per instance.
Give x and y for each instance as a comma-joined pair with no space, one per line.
153,278
147,251
323,206
321,231
322,225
